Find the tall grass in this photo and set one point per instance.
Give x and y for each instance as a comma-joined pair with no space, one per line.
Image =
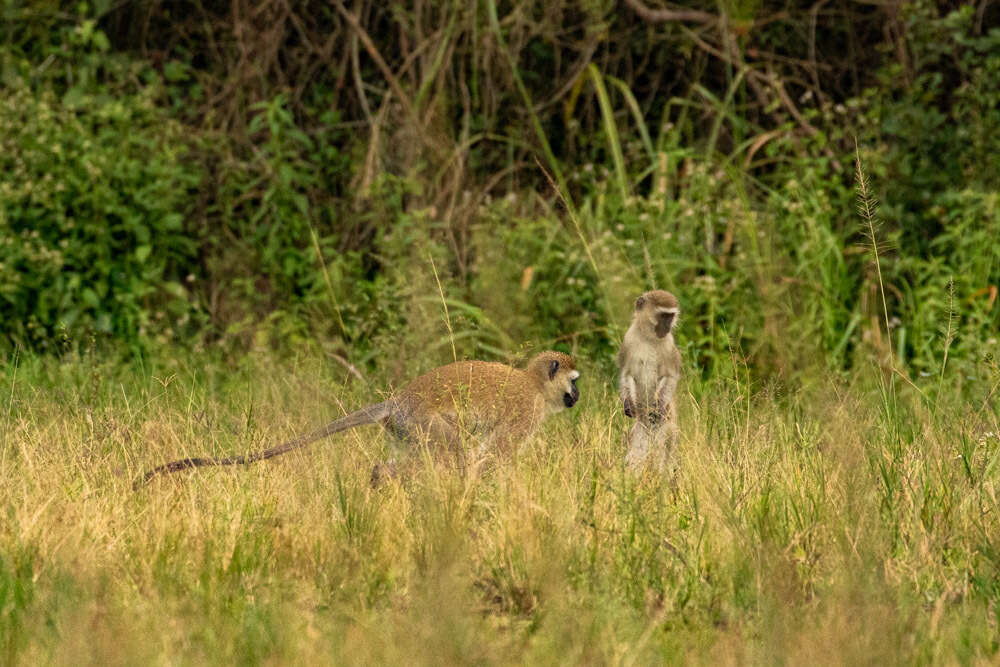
791,531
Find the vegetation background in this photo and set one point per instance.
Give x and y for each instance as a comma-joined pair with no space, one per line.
222,223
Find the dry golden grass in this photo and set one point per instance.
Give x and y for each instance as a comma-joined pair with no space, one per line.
834,525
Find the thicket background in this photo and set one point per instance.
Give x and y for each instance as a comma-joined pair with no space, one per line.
226,175
223,223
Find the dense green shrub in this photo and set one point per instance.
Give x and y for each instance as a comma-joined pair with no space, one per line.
937,165
305,194
272,222
92,201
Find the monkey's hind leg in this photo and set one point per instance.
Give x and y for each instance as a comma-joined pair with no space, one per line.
651,446
638,446
434,435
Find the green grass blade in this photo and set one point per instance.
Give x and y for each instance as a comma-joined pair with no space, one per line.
610,128
640,121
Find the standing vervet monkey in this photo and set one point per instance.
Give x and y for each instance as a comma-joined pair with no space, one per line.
497,405
650,366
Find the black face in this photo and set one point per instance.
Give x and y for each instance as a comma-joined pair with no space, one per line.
663,323
570,398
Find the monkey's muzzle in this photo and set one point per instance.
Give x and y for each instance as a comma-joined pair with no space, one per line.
664,321
570,398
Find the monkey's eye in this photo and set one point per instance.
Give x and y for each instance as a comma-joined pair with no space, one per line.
573,381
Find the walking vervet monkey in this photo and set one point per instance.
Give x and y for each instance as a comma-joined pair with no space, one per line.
650,366
497,405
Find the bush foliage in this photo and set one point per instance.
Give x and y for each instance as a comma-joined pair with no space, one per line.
492,175
92,203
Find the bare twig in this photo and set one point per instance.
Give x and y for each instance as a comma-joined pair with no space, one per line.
813,19
369,172
380,62
351,368
758,144
577,71
778,86
753,77
664,15
358,81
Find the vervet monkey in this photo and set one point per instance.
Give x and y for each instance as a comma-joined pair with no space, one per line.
650,366
497,405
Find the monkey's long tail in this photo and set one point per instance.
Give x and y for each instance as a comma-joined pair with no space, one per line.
369,415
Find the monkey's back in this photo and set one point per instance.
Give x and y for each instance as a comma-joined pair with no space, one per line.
482,398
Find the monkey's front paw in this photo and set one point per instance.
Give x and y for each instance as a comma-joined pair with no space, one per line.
629,409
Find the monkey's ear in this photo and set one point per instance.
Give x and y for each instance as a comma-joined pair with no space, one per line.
553,367
639,303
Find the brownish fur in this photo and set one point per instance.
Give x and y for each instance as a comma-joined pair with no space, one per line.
650,369
498,405
470,398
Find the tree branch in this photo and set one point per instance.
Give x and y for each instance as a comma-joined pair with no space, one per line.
380,62
663,15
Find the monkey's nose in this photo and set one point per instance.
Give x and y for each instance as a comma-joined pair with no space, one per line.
570,399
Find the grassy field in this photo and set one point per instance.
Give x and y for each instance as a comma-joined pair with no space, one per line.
207,209
839,522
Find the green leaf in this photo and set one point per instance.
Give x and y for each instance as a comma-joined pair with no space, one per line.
89,297
175,70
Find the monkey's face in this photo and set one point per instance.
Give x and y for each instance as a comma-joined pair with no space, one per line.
573,395
558,376
660,309
663,322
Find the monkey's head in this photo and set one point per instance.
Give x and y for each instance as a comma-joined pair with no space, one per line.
658,311
557,374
